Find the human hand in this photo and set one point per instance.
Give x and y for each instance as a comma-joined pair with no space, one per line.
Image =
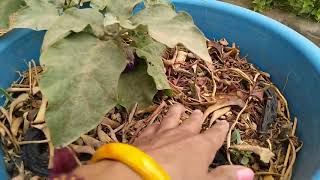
179,148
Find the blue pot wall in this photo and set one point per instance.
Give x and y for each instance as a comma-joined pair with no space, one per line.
292,60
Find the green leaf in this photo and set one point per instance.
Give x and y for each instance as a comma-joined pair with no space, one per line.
244,160
74,20
80,82
151,51
120,8
171,28
7,8
236,137
136,86
37,15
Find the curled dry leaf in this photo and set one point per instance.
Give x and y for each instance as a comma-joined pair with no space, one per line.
26,123
218,113
22,98
90,141
82,149
42,111
107,121
112,134
4,112
264,153
223,101
2,132
104,137
16,122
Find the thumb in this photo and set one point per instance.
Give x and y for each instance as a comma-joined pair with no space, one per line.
230,172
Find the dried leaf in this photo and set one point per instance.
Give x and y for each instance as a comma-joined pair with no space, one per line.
104,137
107,121
264,153
90,141
82,149
26,123
218,113
112,134
16,122
42,111
223,101
22,98
2,132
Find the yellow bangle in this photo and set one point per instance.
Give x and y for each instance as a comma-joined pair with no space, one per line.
136,159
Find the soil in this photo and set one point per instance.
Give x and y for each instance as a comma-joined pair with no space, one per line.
262,133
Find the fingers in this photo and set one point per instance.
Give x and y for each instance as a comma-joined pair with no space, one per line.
194,122
231,173
172,118
214,137
149,131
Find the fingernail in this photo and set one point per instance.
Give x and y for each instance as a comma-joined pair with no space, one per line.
245,174
197,111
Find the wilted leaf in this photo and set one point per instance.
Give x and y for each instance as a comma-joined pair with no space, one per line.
148,3
151,51
171,28
7,8
37,15
120,8
136,86
74,20
112,22
80,83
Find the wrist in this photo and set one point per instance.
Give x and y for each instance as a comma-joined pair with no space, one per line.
106,168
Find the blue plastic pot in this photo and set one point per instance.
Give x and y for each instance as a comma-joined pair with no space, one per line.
292,60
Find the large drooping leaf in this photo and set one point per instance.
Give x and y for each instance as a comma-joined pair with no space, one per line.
37,15
136,86
80,82
74,20
120,8
151,51
171,28
7,8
